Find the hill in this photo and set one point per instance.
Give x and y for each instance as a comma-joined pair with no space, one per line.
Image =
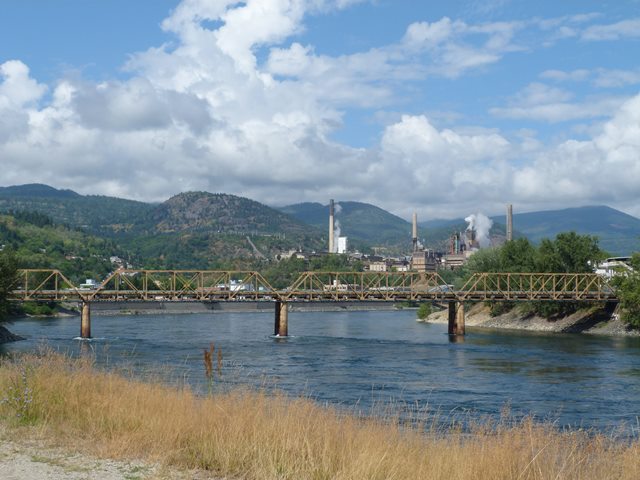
36,190
40,243
205,230
97,214
221,213
190,230
356,220
618,233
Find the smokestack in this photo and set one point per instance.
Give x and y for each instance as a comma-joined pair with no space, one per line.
415,232
331,213
509,222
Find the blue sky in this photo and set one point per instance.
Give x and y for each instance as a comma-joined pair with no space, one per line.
447,108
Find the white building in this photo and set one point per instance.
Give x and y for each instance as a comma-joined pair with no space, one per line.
378,267
613,266
342,245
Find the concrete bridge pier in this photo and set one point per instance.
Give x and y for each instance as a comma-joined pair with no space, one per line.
85,320
456,318
281,327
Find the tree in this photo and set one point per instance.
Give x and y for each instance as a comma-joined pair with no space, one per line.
627,285
8,271
568,252
424,310
517,256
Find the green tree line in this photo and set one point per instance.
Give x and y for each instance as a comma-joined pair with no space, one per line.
566,253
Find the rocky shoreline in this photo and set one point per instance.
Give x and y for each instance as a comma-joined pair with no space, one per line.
6,336
595,321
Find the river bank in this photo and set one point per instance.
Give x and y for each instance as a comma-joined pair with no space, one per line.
6,336
32,456
595,321
249,434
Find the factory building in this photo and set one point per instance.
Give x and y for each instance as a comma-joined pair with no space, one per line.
343,245
422,259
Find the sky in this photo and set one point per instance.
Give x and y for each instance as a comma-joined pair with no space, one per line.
446,108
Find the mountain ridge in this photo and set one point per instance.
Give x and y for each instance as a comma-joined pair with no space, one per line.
305,224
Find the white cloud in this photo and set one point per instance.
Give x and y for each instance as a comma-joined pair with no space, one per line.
629,28
616,78
562,76
603,168
449,48
17,88
541,102
203,113
19,95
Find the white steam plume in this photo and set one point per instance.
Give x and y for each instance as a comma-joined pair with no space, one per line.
481,224
336,227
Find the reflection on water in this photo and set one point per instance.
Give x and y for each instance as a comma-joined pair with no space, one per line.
360,359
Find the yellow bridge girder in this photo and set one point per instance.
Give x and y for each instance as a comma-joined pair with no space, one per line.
215,285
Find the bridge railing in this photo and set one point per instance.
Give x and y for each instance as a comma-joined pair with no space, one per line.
536,286
48,284
209,285
363,286
184,285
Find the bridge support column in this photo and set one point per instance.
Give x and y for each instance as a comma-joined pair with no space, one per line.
85,320
460,319
281,328
456,318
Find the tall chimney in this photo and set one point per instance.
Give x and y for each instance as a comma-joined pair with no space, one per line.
509,222
331,213
415,232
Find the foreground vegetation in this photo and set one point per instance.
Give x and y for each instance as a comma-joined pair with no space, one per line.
248,434
628,290
566,253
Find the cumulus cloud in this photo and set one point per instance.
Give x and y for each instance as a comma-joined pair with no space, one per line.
19,95
207,112
567,172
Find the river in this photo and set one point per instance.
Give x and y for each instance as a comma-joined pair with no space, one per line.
365,359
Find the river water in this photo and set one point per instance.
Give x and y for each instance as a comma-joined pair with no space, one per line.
364,359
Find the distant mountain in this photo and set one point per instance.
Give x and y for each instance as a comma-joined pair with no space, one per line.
190,230
36,190
356,220
619,233
95,213
199,228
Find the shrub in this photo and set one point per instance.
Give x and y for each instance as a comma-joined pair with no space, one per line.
424,311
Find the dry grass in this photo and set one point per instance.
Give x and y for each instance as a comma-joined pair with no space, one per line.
249,434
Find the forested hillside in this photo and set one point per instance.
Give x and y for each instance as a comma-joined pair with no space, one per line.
38,242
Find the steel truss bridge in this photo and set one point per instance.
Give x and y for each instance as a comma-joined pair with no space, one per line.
245,286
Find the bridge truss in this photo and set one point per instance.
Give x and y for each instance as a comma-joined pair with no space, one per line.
208,285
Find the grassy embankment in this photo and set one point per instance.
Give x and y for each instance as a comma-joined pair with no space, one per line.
248,434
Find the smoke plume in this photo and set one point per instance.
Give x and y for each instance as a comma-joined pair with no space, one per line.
481,224
336,227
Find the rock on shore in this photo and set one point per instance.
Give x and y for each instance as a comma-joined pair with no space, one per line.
594,320
6,336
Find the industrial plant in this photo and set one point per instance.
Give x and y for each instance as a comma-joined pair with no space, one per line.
460,247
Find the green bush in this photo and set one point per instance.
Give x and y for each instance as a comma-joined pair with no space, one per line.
499,308
35,308
424,311
628,291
